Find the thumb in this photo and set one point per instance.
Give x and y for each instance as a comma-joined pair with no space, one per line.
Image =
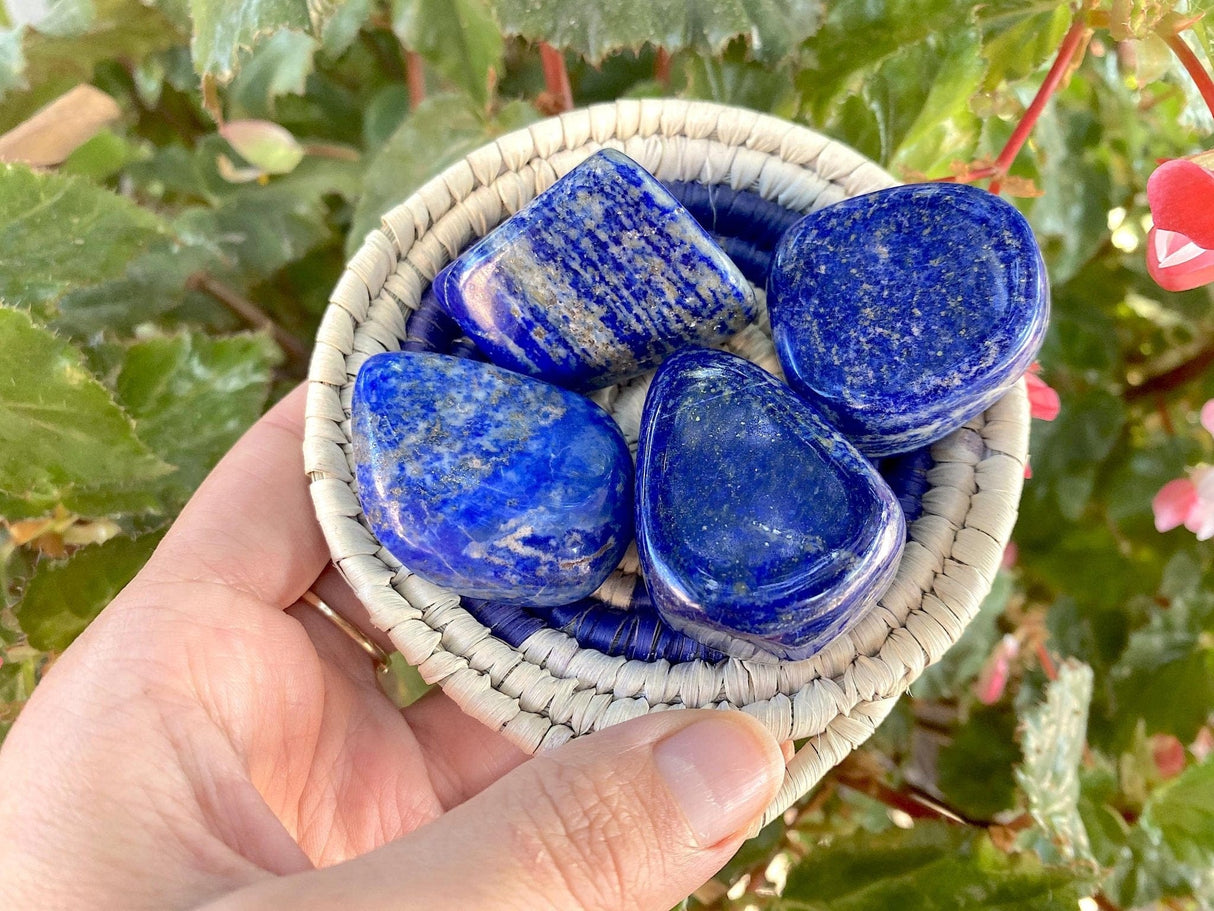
638,816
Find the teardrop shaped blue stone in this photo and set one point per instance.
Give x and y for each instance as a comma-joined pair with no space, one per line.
492,484
758,525
903,313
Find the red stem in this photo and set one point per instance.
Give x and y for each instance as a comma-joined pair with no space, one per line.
1047,663
661,68
556,77
1194,68
1071,44
415,75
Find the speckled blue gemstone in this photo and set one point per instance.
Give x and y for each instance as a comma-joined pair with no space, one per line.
903,313
597,280
487,482
761,531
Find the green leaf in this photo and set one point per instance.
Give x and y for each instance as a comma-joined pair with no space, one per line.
1146,871
1170,851
62,233
459,38
63,597
385,112
930,867
1166,678
896,83
280,65
857,35
342,28
974,771
1021,39
1106,827
153,286
1068,165
99,158
1052,740
733,79
255,232
939,127
63,439
596,28
1182,811
1067,453
192,397
446,127
223,31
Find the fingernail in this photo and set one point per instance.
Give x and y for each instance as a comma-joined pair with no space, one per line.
720,773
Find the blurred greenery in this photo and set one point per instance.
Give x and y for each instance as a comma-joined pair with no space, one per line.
153,301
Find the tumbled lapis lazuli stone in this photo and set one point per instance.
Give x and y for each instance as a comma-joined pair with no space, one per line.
903,313
597,280
487,482
758,525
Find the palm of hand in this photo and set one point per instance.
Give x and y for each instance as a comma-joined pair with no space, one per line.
247,739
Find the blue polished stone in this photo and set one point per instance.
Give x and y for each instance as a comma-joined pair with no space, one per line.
597,280
758,525
488,482
903,313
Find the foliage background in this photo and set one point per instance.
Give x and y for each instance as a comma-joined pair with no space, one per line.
150,308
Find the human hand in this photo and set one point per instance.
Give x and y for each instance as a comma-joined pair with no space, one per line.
210,741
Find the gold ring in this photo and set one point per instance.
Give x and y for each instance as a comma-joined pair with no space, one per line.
377,654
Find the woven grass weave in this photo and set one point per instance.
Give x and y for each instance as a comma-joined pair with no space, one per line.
550,689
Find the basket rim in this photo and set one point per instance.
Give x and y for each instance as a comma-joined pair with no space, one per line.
550,689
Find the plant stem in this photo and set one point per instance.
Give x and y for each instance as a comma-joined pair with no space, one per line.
1187,370
969,175
331,150
249,312
1193,66
661,68
914,805
415,76
1161,408
1075,39
556,77
1047,662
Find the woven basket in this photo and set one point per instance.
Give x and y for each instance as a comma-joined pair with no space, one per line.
549,689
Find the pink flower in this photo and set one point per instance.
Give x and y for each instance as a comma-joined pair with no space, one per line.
1044,403
993,678
1180,245
1188,502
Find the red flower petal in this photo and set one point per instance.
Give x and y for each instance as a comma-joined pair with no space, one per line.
1173,504
1181,196
1043,400
1176,263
